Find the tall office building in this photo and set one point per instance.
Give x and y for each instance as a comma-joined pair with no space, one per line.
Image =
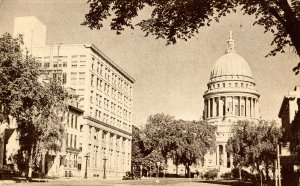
104,91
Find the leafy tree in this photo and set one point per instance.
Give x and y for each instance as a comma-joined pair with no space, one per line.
193,141
157,134
184,142
37,108
254,144
181,19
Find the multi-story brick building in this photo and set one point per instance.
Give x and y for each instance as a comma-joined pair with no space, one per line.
103,136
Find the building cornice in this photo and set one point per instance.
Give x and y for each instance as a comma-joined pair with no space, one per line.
106,125
107,59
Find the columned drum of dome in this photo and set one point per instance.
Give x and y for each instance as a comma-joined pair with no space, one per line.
230,96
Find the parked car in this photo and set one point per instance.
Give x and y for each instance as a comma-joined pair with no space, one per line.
132,176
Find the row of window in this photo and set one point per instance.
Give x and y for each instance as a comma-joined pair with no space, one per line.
72,120
108,89
110,120
71,140
110,106
112,161
225,85
110,75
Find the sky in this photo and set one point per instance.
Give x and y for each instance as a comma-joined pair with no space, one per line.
169,79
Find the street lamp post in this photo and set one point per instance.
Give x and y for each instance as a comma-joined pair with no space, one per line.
141,170
104,167
87,157
158,164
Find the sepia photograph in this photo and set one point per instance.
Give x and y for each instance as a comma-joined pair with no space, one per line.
150,92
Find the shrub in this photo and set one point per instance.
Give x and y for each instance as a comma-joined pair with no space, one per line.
211,174
226,175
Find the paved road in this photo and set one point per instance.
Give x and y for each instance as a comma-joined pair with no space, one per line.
146,182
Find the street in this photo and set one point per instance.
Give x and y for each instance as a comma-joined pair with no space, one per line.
167,181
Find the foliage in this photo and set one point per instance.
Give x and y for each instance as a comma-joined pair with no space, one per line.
37,108
211,174
226,175
192,141
181,19
164,137
253,144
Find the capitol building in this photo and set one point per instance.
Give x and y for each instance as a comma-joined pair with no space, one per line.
231,95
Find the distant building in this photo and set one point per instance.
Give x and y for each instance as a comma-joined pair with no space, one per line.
105,95
231,96
290,119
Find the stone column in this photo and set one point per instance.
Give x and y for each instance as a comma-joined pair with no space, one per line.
107,150
208,108
257,108
101,145
114,153
129,152
214,106
224,156
126,154
254,105
251,107
220,103
239,105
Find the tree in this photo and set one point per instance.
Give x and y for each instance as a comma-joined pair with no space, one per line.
37,108
157,134
254,144
181,19
184,142
193,141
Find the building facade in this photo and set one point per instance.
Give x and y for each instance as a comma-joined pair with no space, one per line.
230,96
290,147
105,93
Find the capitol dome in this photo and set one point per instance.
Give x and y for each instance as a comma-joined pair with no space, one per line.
231,64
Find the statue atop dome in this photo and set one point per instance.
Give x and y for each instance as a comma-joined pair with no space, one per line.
230,44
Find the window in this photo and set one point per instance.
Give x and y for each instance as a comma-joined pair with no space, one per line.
64,78
91,97
75,139
92,80
64,64
47,64
68,119
73,78
67,140
236,84
81,77
71,140
75,122
72,118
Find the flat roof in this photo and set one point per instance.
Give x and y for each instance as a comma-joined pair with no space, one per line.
100,53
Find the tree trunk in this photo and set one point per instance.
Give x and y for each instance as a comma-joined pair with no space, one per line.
30,164
267,170
176,170
187,168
